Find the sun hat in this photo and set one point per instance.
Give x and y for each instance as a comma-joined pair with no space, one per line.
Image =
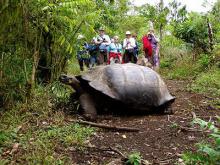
128,33
116,37
101,29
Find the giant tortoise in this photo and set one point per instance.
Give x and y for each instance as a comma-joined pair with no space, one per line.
127,87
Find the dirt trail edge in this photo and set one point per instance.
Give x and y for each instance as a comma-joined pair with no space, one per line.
161,139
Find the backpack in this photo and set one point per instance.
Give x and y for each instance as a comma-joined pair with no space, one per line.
92,48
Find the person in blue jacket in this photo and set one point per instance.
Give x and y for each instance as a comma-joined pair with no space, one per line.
115,51
82,52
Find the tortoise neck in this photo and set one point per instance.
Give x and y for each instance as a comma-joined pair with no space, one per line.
77,88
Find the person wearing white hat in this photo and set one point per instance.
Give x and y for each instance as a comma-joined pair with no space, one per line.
129,45
103,41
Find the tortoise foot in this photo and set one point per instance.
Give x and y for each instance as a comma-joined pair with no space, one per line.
168,110
89,117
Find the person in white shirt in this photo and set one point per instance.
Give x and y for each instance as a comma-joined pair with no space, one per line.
128,46
103,41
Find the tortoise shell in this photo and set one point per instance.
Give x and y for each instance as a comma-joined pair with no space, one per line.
135,85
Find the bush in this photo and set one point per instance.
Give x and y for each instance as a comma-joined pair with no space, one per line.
13,86
59,92
166,63
208,82
182,69
40,130
204,60
207,153
216,55
134,159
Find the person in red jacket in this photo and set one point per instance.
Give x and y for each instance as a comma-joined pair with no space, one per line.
151,49
147,48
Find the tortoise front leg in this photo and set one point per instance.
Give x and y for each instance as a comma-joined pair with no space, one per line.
88,106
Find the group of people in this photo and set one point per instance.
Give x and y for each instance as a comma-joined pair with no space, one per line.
104,50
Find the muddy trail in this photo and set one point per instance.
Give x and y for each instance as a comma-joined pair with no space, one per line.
162,138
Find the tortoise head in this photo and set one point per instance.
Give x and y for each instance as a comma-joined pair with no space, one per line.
72,81
68,80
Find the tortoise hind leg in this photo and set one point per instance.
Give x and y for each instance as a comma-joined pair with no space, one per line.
168,110
88,106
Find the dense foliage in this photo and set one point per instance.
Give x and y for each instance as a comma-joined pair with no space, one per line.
39,37
207,153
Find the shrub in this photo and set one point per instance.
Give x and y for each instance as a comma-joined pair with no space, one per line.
134,159
182,69
208,82
207,153
204,60
40,130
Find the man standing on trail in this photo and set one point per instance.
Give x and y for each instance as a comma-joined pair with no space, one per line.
128,46
102,41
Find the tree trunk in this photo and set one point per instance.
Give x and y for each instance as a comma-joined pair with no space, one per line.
210,34
161,32
2,66
34,67
161,9
35,61
25,26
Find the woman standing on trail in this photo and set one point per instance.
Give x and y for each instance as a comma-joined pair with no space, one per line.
147,48
136,48
155,49
128,46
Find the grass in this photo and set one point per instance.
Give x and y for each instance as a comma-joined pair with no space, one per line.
208,151
204,73
179,69
73,67
207,82
41,133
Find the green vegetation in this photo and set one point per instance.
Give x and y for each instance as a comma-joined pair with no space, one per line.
203,73
134,159
42,134
46,38
38,41
208,82
207,153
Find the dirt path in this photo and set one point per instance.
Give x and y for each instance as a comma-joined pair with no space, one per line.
160,140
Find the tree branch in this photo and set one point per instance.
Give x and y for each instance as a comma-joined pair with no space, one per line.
128,129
